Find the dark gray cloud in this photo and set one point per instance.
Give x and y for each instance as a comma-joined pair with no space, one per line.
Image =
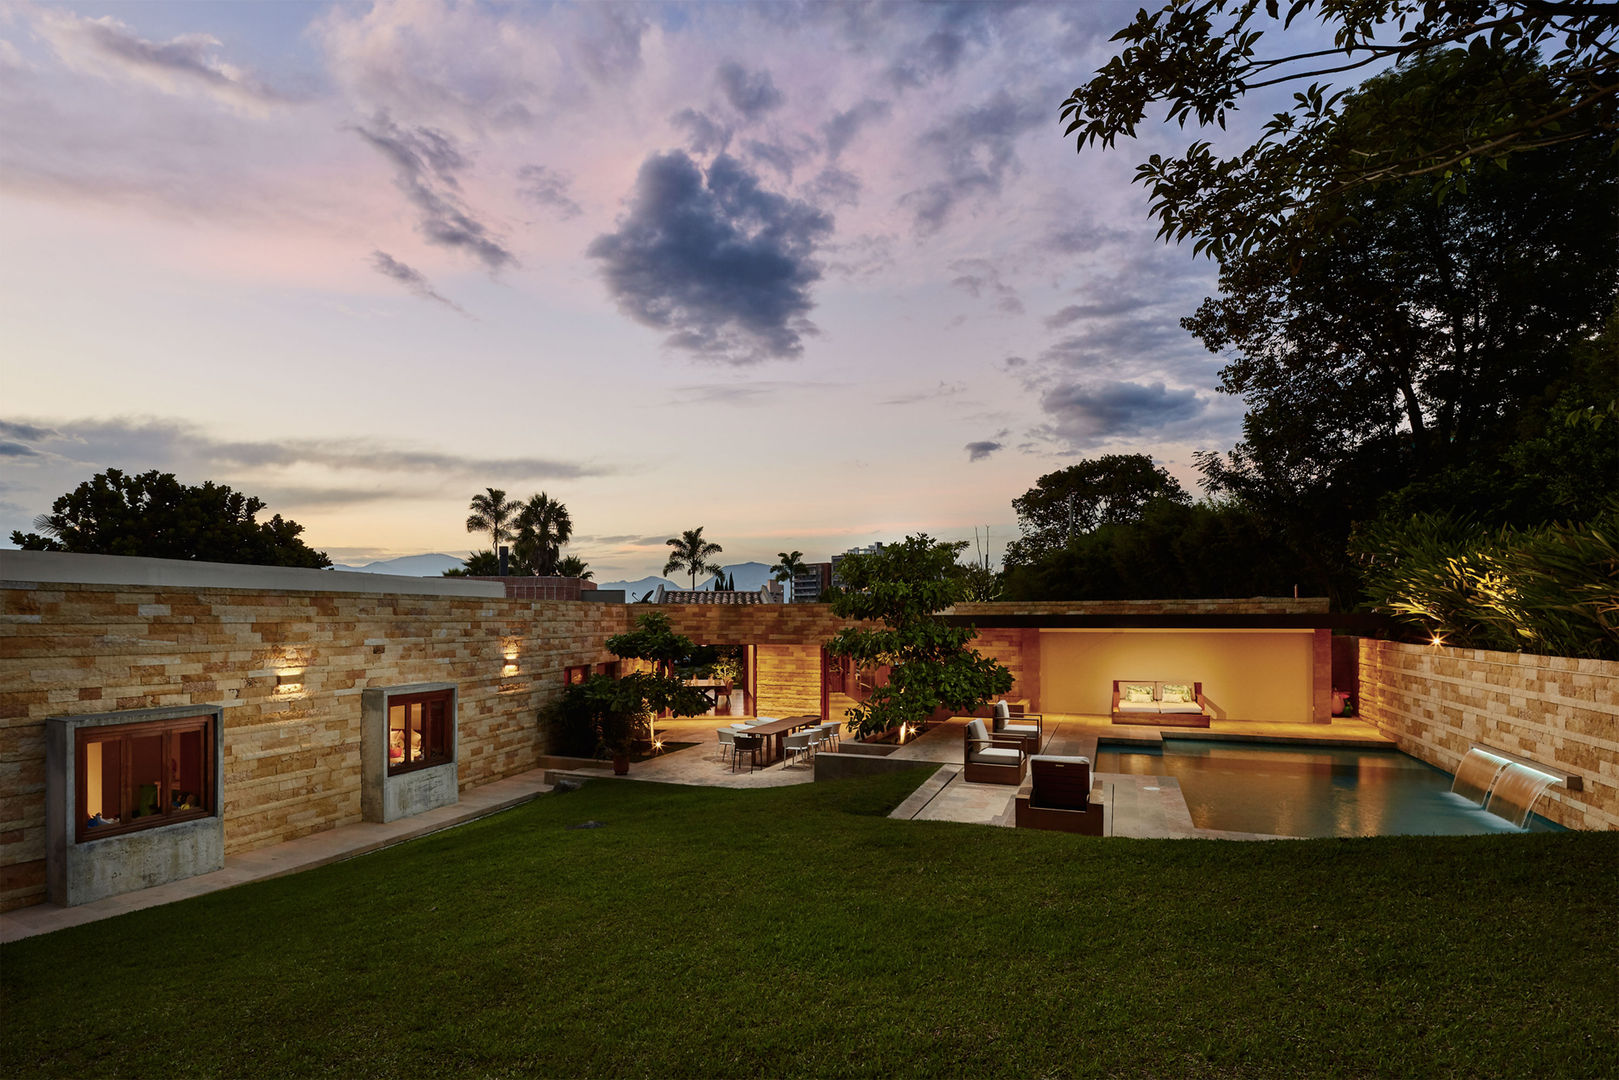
751,93
704,134
980,278
190,60
841,130
833,186
978,451
1090,413
29,432
610,48
1105,309
975,149
740,393
171,445
15,449
411,278
943,390
775,155
721,264
548,187
425,164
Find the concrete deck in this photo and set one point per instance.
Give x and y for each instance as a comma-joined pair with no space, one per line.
1140,806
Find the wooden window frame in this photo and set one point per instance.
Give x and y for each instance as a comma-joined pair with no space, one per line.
446,729
574,674
120,735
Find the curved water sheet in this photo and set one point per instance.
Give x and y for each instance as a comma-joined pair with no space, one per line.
1477,774
1516,791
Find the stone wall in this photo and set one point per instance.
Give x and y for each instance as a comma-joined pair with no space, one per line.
1562,713
288,668
789,680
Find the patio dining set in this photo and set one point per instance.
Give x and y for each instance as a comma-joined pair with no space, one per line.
765,739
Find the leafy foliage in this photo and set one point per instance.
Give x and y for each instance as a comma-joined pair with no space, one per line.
575,567
1173,551
610,714
1066,504
491,510
1552,589
1199,59
543,527
904,587
692,554
476,564
155,515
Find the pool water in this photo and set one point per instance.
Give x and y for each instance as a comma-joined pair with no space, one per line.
1307,790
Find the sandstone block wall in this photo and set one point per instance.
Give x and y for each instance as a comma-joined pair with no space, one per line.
1564,713
789,680
288,668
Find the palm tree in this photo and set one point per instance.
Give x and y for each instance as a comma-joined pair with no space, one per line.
492,510
692,554
543,526
791,564
574,566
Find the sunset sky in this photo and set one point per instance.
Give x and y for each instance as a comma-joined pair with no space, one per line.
807,276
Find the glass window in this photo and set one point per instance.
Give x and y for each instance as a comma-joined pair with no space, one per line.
136,776
419,731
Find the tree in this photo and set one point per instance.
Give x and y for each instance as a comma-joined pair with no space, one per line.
608,715
155,515
904,587
543,527
1065,504
575,567
1417,339
492,510
476,564
1173,551
789,564
1200,59
692,554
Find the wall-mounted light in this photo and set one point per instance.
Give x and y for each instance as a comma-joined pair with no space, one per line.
288,682
509,670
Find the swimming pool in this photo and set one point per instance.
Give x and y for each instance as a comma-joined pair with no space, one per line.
1302,790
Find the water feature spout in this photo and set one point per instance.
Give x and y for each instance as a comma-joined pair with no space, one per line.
1477,774
1516,790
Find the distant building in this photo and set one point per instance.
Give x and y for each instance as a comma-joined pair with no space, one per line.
872,550
810,582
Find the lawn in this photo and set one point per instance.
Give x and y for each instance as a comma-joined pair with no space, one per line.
707,932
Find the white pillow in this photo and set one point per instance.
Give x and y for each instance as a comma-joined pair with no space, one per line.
1138,693
1176,694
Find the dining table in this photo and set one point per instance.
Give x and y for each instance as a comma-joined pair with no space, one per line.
780,729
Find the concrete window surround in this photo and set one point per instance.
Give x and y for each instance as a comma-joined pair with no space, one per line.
389,798
79,872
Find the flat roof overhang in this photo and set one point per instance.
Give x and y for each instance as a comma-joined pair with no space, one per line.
1364,625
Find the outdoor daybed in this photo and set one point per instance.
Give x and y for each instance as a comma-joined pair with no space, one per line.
1057,796
1159,704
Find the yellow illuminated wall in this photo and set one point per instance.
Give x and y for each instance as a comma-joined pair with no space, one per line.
1262,675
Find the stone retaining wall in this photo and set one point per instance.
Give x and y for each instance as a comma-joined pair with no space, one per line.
1437,702
288,667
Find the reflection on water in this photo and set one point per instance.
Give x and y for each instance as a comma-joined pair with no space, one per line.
1323,791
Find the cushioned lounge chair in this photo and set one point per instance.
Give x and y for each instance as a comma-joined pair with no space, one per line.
1057,796
991,759
1010,719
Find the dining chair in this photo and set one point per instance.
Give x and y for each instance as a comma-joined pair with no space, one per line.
727,742
750,745
799,742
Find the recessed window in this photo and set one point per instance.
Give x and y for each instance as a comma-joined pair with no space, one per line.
418,731
139,776
578,673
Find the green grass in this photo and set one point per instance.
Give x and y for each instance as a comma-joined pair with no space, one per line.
707,932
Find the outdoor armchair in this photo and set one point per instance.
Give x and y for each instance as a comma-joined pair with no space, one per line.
1030,727
991,759
1058,796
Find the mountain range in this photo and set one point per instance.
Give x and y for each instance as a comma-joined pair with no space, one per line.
750,576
